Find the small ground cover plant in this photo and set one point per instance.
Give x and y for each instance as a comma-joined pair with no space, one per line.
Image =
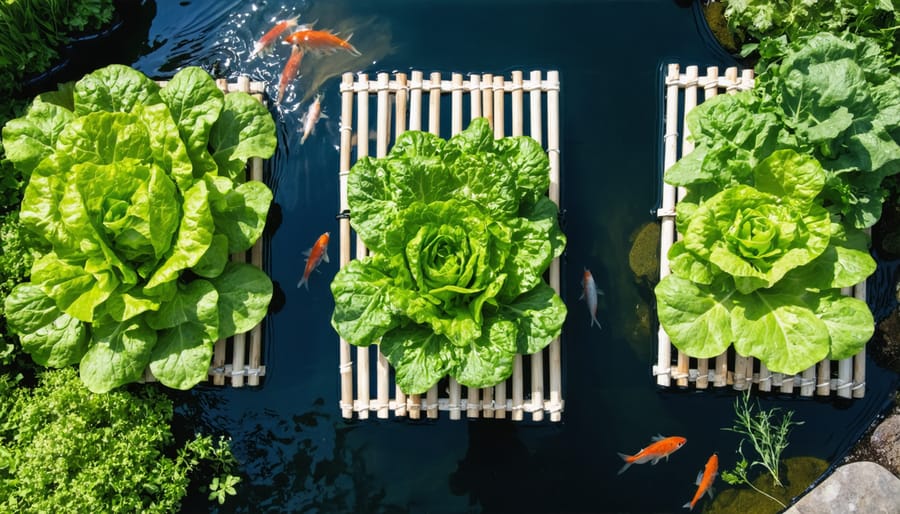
461,232
136,198
65,449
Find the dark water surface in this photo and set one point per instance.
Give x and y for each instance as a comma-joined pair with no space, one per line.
296,453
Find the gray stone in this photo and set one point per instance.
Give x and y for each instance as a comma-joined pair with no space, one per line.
858,487
885,441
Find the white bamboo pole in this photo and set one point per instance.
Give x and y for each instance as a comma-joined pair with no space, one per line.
687,145
553,147
859,361
363,381
765,378
401,105
434,127
220,349
845,366
666,212
382,135
346,365
473,401
823,380
415,123
808,381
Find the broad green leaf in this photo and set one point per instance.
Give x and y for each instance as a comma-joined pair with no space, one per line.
195,103
115,88
244,295
30,139
488,360
794,177
239,212
850,324
118,354
195,234
214,259
362,305
419,356
62,342
167,150
779,328
189,326
244,130
75,291
697,320
537,315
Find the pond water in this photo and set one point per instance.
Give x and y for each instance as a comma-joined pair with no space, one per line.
296,452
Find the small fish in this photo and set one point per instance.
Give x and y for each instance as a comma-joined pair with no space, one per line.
290,71
321,41
590,293
265,43
315,255
311,118
705,481
661,447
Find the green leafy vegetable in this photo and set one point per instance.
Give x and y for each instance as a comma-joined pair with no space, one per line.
761,267
461,233
133,195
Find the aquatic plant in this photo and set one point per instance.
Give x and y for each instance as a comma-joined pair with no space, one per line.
136,197
767,431
461,232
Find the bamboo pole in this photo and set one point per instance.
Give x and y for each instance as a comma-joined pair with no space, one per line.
787,383
859,360
362,150
845,366
808,381
487,97
346,365
553,142
414,402
823,381
383,134
687,145
220,348
434,127
666,212
401,104
765,378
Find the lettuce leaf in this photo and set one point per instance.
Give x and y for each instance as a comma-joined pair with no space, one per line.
461,233
137,192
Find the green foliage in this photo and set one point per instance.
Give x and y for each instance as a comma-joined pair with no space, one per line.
136,198
761,267
781,21
780,183
767,431
461,232
65,449
32,32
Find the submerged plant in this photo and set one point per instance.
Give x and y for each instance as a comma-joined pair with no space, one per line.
767,431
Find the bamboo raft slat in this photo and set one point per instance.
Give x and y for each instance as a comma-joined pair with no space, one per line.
245,349
404,102
845,378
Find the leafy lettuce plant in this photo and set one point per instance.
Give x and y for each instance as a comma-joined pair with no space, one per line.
137,198
761,266
460,233
834,98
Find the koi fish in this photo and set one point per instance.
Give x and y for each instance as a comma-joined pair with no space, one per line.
290,71
265,43
321,41
589,294
705,481
661,447
315,255
312,117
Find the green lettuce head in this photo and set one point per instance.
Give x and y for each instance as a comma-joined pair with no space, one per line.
761,267
461,233
136,197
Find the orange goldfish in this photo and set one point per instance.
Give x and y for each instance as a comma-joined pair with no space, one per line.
312,116
315,255
705,481
290,71
321,40
661,447
589,294
265,43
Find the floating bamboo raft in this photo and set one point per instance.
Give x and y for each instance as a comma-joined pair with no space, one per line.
237,360
401,102
846,378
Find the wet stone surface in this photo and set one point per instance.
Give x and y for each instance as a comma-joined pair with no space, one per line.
863,487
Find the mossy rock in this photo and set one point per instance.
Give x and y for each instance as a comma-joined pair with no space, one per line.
643,258
797,473
714,12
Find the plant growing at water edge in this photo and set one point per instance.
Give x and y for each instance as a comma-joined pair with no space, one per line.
461,232
767,431
65,449
137,198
